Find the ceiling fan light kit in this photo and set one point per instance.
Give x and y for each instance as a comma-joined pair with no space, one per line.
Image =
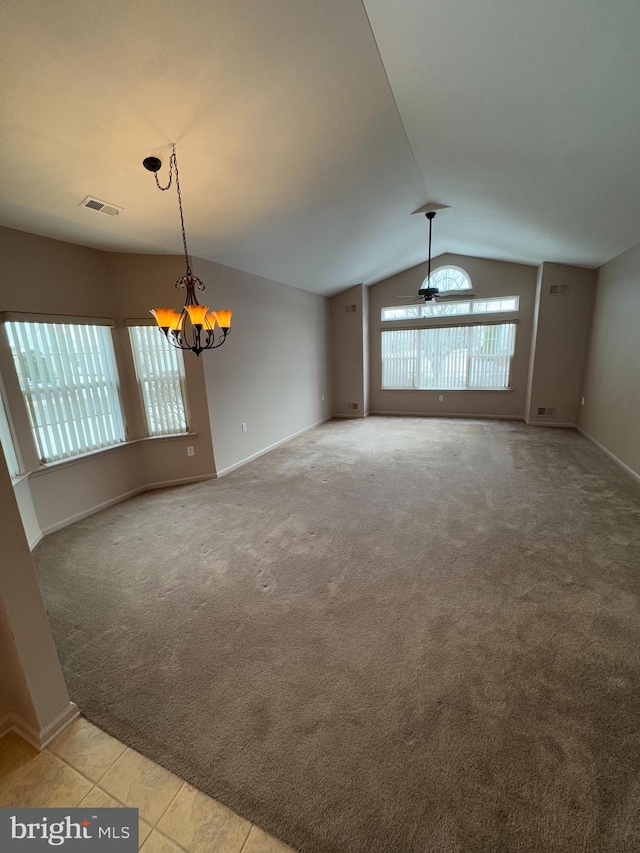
196,327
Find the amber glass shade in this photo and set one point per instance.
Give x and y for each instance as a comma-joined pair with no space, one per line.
210,320
166,318
197,314
224,318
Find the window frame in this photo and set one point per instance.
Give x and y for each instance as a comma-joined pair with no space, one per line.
509,317
55,448
131,325
469,356
476,300
447,267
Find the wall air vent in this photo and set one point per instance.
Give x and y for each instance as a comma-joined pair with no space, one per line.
558,289
352,405
101,206
350,309
548,412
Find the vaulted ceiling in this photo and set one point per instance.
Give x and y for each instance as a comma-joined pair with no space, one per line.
307,132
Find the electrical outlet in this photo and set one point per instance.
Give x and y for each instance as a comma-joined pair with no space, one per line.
441,398
244,427
191,451
582,402
322,398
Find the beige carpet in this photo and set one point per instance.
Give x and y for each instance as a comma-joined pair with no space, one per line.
389,635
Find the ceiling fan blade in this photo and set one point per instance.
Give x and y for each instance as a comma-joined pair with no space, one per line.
458,295
412,298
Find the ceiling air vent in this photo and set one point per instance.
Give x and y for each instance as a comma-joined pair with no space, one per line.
558,289
548,412
100,206
350,309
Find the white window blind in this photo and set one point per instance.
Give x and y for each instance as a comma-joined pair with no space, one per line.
6,440
69,381
457,357
161,378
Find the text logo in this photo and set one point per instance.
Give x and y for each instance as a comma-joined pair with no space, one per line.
72,830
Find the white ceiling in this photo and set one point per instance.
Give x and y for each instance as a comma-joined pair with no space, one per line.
295,163
524,116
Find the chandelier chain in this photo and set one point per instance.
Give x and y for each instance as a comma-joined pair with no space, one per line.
173,165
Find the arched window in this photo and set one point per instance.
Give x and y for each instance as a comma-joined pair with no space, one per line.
448,278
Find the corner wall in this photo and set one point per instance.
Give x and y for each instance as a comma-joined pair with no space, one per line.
350,349
33,695
560,343
611,385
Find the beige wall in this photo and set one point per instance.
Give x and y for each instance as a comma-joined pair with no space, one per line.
31,685
350,350
560,343
488,278
611,386
274,368
24,499
14,694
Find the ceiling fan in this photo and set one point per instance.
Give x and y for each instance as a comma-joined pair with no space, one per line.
426,292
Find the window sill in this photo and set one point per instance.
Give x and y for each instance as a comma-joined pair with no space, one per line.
46,467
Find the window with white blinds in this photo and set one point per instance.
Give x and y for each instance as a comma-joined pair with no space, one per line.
161,379
6,440
69,381
451,309
455,358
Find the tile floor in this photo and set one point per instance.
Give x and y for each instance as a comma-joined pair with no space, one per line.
86,766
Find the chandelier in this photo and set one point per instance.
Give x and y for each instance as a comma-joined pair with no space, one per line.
195,328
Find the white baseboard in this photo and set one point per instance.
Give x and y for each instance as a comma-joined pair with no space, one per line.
626,468
39,739
6,724
550,424
349,417
448,415
52,528
57,726
33,543
230,468
182,481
